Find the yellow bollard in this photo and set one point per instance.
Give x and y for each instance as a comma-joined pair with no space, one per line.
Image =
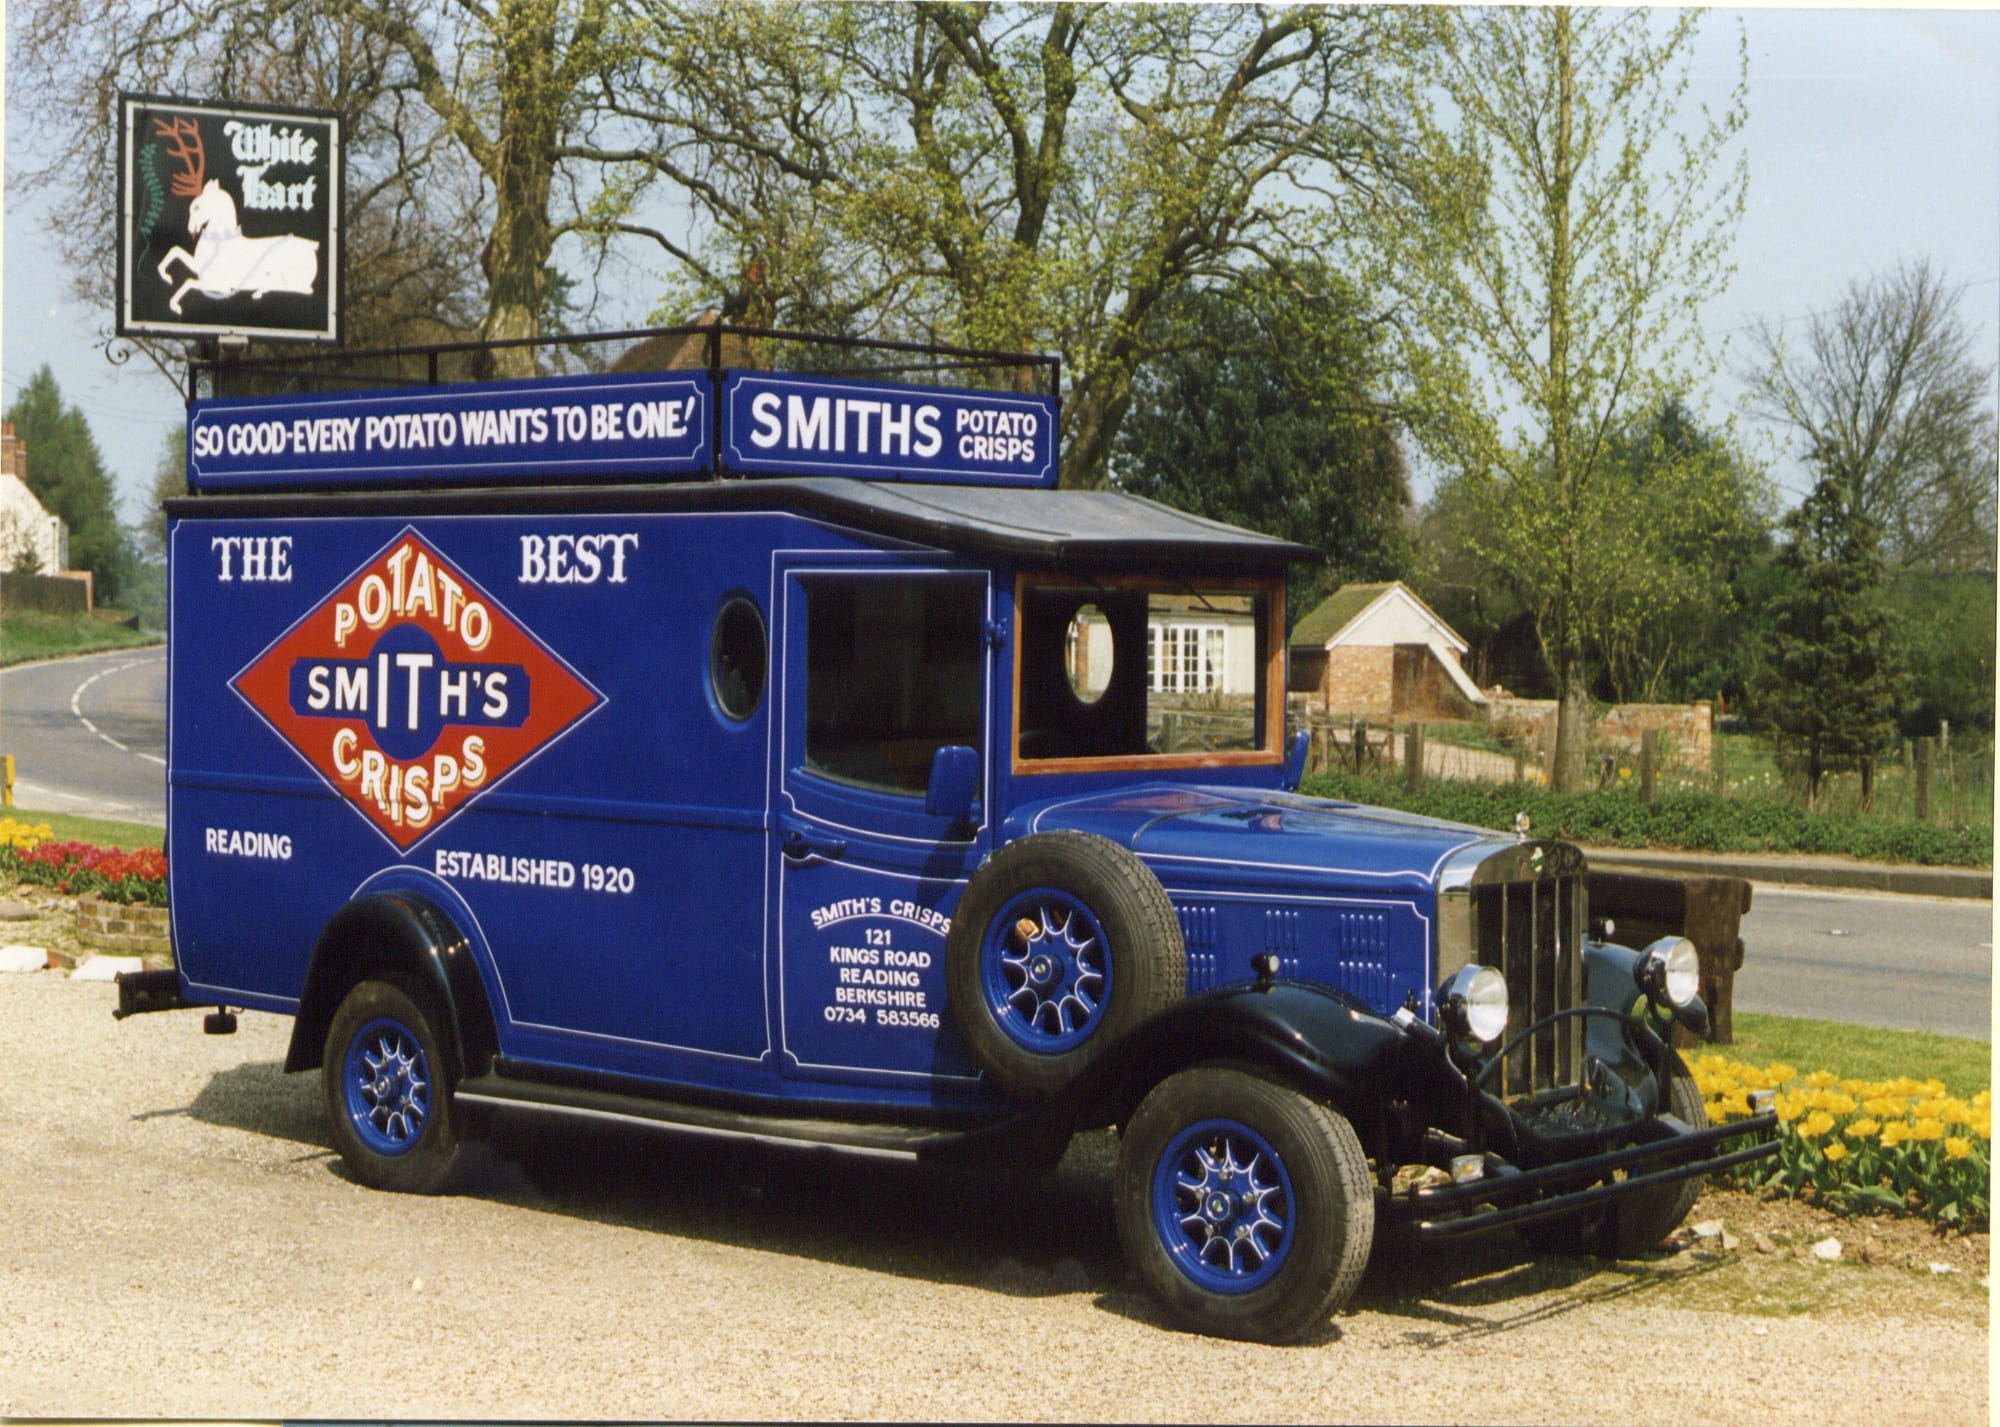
6,780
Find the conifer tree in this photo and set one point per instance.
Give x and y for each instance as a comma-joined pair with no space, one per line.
1836,668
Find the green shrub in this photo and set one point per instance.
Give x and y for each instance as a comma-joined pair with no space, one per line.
1698,822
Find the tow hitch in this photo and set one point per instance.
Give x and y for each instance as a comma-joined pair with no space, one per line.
142,991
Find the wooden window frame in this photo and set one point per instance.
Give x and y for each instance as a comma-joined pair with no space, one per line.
1272,755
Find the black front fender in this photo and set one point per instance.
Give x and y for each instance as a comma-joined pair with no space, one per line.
396,935
1308,1037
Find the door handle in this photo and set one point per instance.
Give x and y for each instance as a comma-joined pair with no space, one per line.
803,843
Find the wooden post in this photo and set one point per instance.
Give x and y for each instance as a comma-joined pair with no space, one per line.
1359,749
1413,758
1170,731
1520,766
1926,753
1649,765
1719,765
1867,783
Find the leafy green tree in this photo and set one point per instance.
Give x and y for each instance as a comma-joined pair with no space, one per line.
1947,622
66,473
169,480
1888,396
1563,218
1263,417
1009,177
1674,625
1836,673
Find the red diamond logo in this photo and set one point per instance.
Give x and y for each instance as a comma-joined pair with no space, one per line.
411,691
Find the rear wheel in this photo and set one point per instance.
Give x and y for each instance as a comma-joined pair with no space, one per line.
383,1082
1244,1207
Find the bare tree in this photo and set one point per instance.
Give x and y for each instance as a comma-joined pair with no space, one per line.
455,117
1892,404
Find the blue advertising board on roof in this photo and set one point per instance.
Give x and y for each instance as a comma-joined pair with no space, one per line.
502,432
645,425
782,424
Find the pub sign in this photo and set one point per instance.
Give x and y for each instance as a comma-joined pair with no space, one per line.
229,220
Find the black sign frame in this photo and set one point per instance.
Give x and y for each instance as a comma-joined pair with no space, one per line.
279,311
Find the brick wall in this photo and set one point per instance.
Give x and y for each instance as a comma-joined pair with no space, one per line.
1360,682
1685,737
1687,740
130,931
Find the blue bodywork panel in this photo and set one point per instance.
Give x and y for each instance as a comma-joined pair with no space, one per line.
674,856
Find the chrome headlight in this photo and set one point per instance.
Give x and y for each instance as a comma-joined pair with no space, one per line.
1670,971
1474,1003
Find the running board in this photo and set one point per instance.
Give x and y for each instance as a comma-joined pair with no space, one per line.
886,1141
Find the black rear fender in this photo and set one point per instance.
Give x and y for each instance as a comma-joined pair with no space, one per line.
400,937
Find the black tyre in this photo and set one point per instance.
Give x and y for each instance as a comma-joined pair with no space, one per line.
1244,1207
1637,1222
1063,942
1633,1224
383,1080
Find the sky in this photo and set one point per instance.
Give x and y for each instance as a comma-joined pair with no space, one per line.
1873,138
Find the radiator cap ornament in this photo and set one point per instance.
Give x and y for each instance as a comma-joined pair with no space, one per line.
1521,826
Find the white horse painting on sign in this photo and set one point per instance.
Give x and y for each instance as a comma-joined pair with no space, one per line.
224,262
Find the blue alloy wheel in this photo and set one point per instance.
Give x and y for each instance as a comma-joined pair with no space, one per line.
1222,1206
384,1079
1244,1206
386,1083
1045,968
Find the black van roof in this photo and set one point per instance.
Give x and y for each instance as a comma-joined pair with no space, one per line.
1042,527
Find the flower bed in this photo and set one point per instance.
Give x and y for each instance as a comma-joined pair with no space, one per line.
75,868
1866,1146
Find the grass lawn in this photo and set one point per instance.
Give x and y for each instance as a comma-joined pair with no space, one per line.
1861,1052
32,634
100,832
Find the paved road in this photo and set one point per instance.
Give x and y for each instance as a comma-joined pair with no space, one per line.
89,735
1912,963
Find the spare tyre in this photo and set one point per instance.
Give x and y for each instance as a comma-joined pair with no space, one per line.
1062,943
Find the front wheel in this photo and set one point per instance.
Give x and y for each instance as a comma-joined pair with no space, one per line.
1244,1207
383,1082
1633,1224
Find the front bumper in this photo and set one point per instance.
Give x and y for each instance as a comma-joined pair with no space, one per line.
1506,1195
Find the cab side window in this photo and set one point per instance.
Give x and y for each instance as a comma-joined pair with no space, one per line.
894,671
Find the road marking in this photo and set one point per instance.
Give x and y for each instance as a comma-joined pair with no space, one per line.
76,707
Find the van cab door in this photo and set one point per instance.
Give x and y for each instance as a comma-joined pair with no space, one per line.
881,667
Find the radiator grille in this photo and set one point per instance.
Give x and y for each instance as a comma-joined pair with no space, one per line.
1531,930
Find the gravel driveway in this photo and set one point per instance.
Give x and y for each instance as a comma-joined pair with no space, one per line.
179,1241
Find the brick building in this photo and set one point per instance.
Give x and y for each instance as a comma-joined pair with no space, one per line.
1378,652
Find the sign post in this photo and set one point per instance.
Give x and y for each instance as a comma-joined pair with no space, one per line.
229,221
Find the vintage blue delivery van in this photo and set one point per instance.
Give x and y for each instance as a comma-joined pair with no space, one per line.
776,752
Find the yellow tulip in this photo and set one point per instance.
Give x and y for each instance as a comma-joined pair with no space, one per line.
1816,1124
1956,1147
1862,1129
1836,1152
1927,1129
1820,1079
